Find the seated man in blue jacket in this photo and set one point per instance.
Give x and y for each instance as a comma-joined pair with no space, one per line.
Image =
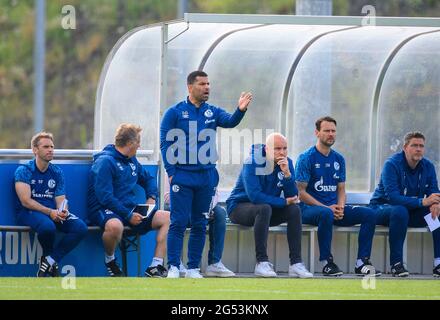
407,191
256,201
111,199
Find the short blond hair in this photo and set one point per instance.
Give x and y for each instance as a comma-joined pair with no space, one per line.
126,133
40,135
412,135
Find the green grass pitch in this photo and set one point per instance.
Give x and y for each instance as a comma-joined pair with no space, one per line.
216,289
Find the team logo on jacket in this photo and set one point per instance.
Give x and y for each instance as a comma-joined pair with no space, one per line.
133,169
51,183
336,165
280,175
176,188
185,114
208,113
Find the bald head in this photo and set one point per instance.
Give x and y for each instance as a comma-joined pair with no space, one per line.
276,147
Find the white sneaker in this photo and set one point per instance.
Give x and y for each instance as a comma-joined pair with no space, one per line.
173,272
265,269
182,269
298,270
218,270
193,273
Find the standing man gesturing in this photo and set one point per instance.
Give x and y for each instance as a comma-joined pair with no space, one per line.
187,143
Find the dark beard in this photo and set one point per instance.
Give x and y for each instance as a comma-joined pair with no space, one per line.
327,144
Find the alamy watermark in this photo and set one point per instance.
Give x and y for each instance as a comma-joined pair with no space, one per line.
68,19
202,147
369,281
68,282
370,16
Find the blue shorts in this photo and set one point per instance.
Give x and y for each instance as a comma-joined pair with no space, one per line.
104,215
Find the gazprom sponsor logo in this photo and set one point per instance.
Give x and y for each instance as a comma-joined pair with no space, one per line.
320,187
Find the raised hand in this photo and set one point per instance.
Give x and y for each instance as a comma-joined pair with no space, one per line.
244,100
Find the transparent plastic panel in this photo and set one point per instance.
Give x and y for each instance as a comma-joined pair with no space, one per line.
256,60
186,52
337,76
130,89
410,99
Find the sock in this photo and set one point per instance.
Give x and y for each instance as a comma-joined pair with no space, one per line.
436,262
359,262
109,258
156,261
50,260
323,262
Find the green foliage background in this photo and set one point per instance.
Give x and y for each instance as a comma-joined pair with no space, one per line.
74,58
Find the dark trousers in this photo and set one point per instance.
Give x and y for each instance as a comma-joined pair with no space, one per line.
398,219
261,216
74,228
323,218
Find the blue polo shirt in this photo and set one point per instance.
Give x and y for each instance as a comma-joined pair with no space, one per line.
45,186
321,173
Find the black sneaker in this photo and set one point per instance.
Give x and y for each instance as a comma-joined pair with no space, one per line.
367,269
44,269
331,269
54,270
158,271
436,271
398,270
113,269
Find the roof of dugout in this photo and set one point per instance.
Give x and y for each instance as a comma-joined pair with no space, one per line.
371,73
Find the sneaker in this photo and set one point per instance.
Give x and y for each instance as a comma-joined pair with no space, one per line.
44,269
173,272
398,270
182,269
367,268
113,269
298,270
193,273
55,270
331,269
158,271
265,269
218,270
436,271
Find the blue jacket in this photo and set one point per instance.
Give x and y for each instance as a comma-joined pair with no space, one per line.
190,146
112,181
260,188
401,185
